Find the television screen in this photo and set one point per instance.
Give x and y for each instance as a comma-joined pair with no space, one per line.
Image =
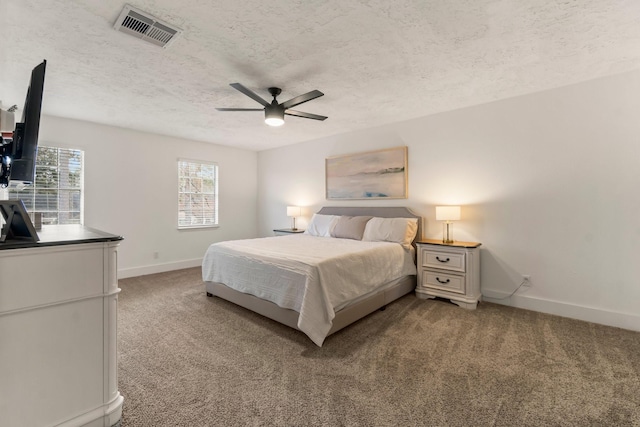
19,153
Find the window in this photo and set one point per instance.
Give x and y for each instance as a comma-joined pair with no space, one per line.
197,194
57,192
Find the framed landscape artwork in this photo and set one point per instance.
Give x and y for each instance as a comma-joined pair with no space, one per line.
380,174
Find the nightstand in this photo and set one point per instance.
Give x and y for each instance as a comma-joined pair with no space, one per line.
449,270
287,231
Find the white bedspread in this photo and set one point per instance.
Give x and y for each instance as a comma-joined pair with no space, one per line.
314,276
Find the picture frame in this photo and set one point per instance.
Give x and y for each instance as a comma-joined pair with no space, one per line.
379,174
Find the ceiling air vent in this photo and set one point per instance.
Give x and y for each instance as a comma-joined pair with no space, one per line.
146,27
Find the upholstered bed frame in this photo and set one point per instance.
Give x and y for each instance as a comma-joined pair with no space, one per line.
347,315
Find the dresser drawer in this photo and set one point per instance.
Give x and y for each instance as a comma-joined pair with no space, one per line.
443,260
448,282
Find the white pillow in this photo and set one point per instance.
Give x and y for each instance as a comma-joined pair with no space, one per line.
398,230
321,225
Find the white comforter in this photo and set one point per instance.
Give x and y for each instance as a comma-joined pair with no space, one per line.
315,276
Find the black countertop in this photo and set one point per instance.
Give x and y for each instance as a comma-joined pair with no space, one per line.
55,235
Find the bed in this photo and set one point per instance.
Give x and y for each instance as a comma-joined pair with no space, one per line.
313,282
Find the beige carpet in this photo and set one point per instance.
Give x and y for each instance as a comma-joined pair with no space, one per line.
189,360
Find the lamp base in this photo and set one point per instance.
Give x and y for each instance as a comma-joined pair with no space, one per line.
447,233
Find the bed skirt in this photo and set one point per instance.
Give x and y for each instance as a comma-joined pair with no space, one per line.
343,318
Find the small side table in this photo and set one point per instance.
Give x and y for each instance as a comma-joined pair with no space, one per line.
287,231
449,270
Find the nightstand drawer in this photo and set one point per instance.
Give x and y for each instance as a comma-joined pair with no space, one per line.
448,282
443,260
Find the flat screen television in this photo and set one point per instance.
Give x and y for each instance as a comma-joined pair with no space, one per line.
19,153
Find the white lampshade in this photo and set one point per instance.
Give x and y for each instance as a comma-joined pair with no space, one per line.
293,211
447,213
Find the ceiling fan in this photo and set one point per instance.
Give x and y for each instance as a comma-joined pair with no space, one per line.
274,112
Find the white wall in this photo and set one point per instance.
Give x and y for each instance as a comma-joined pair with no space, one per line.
549,183
131,190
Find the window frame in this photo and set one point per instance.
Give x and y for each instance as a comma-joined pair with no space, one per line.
215,193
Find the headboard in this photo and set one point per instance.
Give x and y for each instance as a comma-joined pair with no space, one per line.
379,211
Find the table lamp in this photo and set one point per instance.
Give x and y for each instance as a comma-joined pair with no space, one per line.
447,214
293,211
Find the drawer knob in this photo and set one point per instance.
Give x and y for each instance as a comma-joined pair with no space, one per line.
442,281
442,260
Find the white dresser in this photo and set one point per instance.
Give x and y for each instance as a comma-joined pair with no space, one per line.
58,313
449,270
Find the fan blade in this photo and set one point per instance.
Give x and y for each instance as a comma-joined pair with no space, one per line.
302,98
240,109
305,115
251,94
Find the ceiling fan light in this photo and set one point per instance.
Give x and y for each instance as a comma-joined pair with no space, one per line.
274,116
274,121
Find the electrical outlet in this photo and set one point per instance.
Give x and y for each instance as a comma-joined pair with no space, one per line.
526,280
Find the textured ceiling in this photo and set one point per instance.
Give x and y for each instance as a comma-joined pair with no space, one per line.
377,61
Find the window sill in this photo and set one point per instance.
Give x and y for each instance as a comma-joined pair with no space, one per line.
197,227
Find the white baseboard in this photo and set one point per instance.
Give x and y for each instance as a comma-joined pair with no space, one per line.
158,268
563,309
108,414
